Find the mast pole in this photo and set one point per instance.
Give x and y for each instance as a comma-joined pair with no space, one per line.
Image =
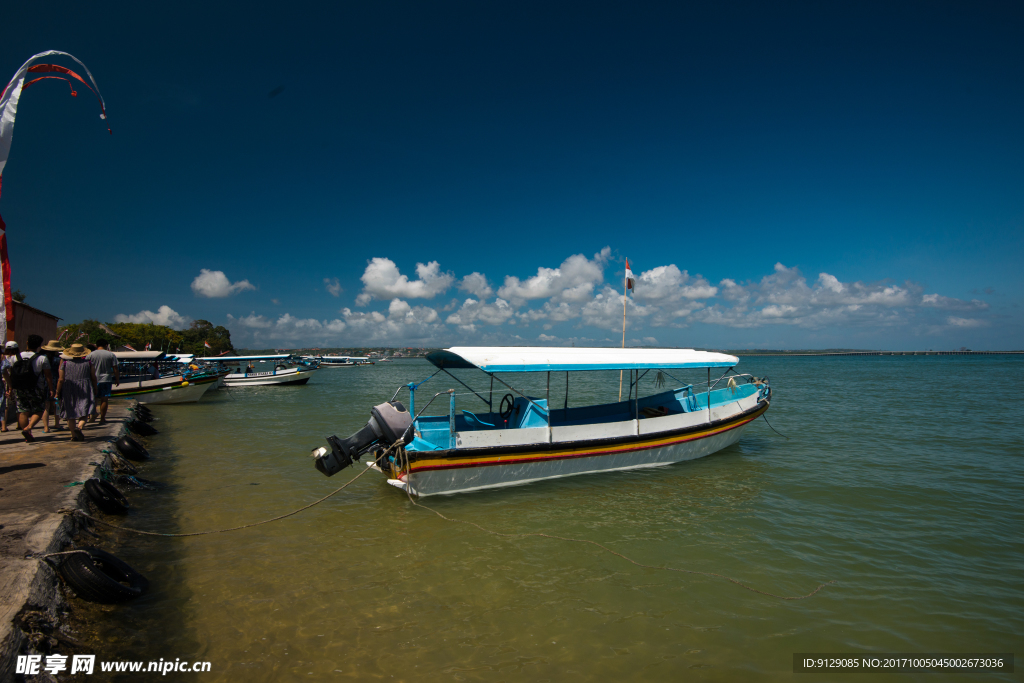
625,289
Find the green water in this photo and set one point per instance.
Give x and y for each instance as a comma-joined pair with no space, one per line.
902,481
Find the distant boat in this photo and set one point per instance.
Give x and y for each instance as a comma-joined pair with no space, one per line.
340,361
525,440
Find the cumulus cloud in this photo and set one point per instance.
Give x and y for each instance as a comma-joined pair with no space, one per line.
286,328
473,311
214,284
573,281
966,322
382,280
785,298
403,323
333,286
477,285
165,315
543,307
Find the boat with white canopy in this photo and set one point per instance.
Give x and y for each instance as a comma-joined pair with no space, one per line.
154,377
526,440
248,371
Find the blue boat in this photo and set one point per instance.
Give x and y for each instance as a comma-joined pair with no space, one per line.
526,440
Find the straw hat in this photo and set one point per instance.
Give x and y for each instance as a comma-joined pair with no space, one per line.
74,351
53,345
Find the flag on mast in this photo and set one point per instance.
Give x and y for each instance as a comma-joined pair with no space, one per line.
207,345
630,280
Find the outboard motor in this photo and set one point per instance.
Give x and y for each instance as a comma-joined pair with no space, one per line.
389,422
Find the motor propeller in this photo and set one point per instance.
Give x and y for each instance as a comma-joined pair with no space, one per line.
389,422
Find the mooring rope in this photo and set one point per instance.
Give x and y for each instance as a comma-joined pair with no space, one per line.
341,488
404,456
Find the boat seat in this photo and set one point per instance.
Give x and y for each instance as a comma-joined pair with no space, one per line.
474,421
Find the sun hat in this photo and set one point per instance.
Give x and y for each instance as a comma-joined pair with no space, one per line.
74,351
53,345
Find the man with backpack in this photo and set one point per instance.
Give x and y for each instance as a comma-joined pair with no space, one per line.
32,381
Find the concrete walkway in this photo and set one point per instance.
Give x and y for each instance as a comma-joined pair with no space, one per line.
33,479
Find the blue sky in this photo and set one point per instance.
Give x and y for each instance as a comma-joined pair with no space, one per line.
799,175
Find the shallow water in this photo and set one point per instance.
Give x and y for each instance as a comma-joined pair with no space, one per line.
901,480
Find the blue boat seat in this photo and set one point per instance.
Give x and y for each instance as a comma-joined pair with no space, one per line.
475,422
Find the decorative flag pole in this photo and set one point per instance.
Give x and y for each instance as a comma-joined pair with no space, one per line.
8,110
630,282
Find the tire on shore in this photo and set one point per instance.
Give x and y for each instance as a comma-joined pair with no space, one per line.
98,576
141,428
106,497
131,449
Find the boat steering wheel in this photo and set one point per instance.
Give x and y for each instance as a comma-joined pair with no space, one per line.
511,400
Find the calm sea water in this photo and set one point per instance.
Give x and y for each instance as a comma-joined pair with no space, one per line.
902,480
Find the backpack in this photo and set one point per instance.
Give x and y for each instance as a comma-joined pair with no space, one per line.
23,374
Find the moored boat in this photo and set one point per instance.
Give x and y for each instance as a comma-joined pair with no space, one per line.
169,385
526,441
284,370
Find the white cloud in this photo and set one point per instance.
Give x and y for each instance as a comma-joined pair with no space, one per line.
472,311
573,281
214,284
477,285
165,315
286,328
605,310
382,280
333,286
966,322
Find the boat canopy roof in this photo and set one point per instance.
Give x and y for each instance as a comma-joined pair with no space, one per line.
540,359
139,355
236,359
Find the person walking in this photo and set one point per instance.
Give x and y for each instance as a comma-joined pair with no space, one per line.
7,406
108,375
76,389
52,351
32,380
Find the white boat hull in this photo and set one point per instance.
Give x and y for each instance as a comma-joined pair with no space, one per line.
189,393
291,376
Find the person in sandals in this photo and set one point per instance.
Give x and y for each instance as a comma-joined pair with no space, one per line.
76,389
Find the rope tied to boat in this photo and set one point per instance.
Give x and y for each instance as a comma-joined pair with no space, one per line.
82,513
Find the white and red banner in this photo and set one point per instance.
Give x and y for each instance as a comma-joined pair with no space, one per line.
630,280
207,345
8,110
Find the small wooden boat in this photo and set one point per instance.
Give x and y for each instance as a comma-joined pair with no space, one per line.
247,371
169,385
525,440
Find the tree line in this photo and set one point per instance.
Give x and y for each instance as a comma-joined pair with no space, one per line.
162,338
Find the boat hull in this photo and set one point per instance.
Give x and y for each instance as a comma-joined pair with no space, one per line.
189,393
447,472
283,378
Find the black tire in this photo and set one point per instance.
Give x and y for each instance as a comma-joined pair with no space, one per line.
131,449
106,497
98,576
141,428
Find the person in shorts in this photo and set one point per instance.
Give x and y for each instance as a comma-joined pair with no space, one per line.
108,375
32,402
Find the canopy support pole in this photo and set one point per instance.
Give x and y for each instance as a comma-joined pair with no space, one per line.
709,395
